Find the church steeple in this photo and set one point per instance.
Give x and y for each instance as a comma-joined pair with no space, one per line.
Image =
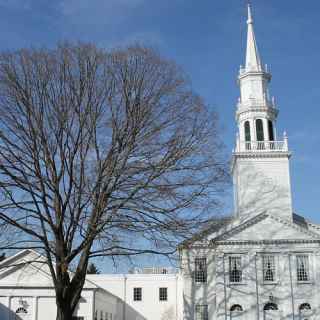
253,61
253,81
260,161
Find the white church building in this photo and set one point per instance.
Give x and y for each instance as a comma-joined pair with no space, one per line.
262,263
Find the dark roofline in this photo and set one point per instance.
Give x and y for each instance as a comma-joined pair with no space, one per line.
214,225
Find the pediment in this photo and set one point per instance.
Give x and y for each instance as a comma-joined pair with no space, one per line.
265,227
28,269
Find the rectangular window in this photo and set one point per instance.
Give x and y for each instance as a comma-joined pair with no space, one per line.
269,268
163,294
201,312
77,318
137,294
303,268
200,273
106,316
101,315
235,269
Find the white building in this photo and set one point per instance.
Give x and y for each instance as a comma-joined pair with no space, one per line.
27,292
262,263
156,296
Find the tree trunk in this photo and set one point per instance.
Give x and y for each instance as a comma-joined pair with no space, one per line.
68,292
64,311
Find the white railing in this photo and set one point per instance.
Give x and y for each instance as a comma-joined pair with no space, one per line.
154,270
262,146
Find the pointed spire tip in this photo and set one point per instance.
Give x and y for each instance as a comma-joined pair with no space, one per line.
250,20
253,62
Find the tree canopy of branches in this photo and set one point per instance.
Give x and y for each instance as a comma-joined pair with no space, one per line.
102,154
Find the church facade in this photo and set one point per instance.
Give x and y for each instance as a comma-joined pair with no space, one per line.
263,263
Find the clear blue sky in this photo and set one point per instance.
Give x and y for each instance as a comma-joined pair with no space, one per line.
207,38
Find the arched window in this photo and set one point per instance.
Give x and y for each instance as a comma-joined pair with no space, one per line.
270,129
259,127
236,307
304,306
270,306
247,132
305,311
21,311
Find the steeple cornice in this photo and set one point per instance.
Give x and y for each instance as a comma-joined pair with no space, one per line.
245,111
243,72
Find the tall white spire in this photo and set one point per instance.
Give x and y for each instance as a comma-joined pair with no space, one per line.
253,62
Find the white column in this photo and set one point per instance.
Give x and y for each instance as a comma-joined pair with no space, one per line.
220,287
254,129
289,257
124,311
9,308
257,285
265,129
241,131
275,131
35,308
225,287
316,278
176,306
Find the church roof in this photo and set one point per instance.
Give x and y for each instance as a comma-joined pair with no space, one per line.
29,266
224,228
305,223
214,225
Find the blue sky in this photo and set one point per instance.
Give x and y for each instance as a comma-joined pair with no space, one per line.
207,38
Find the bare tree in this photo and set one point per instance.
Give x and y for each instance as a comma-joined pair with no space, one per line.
102,154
